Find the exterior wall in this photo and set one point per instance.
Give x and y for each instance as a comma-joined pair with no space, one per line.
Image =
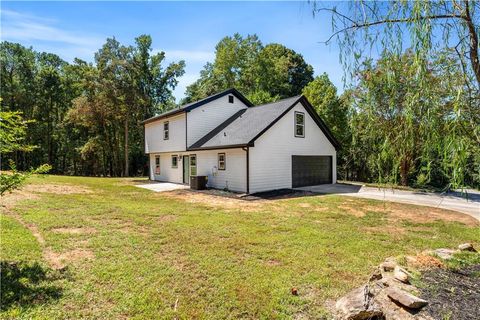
204,119
232,178
271,157
154,135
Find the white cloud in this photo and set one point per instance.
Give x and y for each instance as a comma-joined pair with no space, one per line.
17,26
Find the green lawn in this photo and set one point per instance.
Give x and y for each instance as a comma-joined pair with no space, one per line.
132,253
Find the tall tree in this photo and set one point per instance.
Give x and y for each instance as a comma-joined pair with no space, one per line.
262,73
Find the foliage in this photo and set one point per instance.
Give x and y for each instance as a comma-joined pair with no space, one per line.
407,134
13,132
263,73
87,115
419,123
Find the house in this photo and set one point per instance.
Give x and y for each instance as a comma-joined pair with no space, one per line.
241,147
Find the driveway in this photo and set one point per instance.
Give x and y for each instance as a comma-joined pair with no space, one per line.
453,200
162,186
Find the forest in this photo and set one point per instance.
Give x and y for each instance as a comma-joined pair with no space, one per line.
409,116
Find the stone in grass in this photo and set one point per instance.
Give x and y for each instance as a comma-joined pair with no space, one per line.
358,304
388,265
445,254
400,274
405,299
467,247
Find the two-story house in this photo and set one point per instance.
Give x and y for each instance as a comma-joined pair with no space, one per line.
241,147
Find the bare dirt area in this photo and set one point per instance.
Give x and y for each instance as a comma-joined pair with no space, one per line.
67,230
452,293
56,188
228,202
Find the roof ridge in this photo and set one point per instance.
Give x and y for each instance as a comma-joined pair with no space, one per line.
281,100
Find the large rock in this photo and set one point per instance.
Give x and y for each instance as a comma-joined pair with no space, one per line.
358,305
405,299
466,247
388,265
400,274
445,254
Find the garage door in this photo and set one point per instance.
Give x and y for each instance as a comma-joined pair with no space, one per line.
311,170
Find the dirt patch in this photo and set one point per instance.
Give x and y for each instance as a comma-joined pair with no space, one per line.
389,229
423,262
428,214
74,230
9,200
213,200
59,260
56,189
167,218
273,263
352,211
452,294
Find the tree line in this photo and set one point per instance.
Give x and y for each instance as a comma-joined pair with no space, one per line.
395,125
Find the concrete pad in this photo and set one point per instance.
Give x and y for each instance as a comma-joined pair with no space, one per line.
163,186
466,203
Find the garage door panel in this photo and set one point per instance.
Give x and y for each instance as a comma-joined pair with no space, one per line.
311,170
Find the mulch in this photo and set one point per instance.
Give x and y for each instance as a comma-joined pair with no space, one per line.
452,293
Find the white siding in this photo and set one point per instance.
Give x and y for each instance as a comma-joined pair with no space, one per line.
271,158
167,173
232,178
154,135
204,119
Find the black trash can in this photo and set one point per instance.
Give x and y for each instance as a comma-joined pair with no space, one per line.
198,182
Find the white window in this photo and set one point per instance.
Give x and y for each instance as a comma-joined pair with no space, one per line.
157,164
299,124
193,165
175,161
221,161
166,131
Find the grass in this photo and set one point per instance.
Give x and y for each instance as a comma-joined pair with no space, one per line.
131,253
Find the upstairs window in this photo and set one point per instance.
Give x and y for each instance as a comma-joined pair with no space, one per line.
166,131
175,161
157,164
221,161
299,124
230,99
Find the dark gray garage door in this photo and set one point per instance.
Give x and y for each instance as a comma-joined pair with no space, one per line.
311,170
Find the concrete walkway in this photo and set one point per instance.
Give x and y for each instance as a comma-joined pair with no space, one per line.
163,186
453,201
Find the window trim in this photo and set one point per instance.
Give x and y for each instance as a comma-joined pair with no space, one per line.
224,161
166,131
157,165
176,162
295,124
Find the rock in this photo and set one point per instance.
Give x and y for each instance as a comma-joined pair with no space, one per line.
388,265
376,275
400,274
294,291
405,299
358,305
445,254
466,247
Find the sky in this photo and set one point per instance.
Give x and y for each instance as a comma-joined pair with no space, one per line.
184,30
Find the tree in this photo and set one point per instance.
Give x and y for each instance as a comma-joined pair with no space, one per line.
263,73
13,131
441,34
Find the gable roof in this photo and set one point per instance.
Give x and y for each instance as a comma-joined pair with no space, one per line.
245,126
192,105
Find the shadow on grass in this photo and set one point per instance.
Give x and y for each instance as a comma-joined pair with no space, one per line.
27,284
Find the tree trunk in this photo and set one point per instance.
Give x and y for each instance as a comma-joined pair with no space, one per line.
474,59
126,149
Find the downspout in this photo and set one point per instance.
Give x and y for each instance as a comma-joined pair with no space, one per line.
248,168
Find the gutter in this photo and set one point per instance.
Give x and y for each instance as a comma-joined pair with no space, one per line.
246,149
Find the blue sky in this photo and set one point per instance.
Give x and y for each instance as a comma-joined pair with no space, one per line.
184,30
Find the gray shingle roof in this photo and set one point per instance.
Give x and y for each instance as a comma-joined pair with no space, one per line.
245,125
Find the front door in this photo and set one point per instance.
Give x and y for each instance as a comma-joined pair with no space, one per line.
186,169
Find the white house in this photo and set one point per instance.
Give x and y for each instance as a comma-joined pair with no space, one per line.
241,147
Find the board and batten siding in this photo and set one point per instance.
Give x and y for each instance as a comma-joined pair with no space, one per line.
232,178
271,157
204,119
154,141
